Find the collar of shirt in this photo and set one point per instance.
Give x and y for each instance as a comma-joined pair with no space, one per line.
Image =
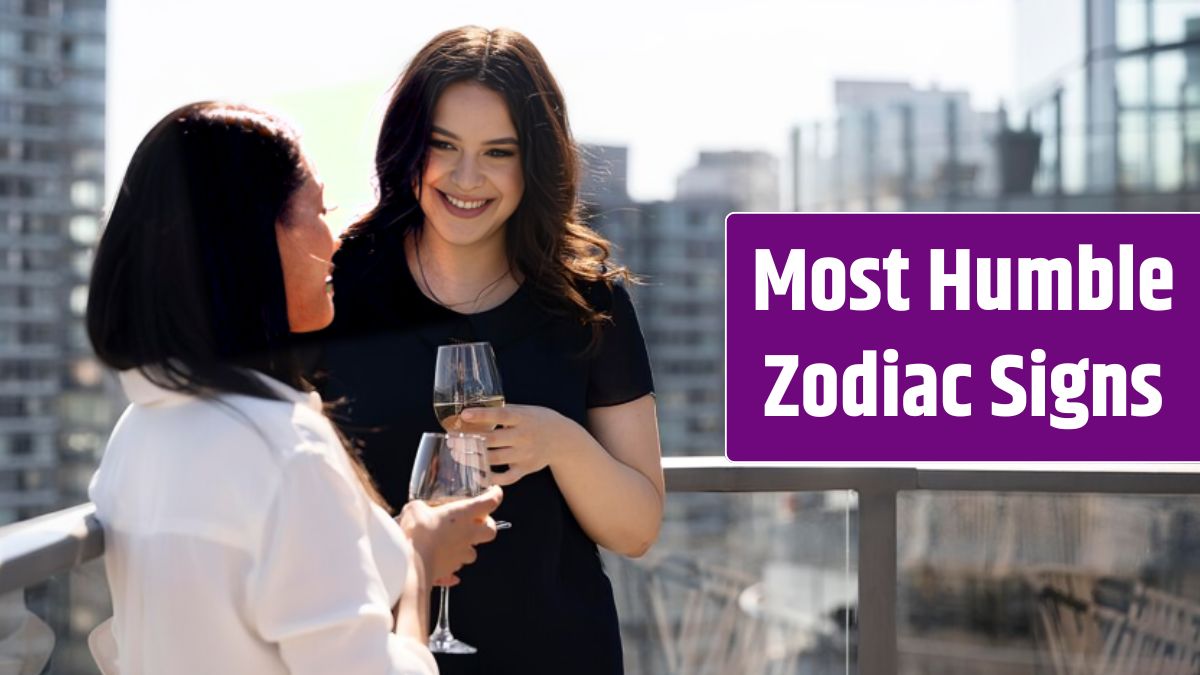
140,390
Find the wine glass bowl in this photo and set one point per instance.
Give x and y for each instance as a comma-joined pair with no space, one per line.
466,376
449,467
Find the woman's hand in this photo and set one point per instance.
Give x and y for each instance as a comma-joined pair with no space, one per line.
530,438
610,472
445,536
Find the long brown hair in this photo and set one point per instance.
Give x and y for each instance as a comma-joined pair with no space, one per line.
545,237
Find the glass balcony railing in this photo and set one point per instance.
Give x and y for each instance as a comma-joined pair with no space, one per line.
817,569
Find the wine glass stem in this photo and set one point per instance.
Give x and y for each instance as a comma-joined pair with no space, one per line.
443,620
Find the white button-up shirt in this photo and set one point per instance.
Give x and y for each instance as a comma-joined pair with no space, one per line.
238,539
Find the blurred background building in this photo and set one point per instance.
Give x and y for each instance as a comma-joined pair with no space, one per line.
1104,119
55,410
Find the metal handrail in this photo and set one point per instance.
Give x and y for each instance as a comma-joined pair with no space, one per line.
35,550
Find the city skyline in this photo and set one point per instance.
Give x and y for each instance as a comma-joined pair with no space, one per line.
664,85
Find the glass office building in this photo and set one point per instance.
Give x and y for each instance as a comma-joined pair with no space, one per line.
54,412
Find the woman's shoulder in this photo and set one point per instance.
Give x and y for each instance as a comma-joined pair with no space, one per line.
210,466
286,428
234,428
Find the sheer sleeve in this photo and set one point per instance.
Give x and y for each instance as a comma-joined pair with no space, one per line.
316,590
620,368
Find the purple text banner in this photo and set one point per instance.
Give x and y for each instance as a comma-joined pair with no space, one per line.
963,337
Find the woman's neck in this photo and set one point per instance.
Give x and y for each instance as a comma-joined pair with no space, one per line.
465,279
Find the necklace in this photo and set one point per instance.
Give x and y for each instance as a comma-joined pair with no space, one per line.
429,287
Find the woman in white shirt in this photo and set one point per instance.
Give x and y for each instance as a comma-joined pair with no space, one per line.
241,535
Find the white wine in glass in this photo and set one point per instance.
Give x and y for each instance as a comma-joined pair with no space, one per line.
448,467
448,413
466,376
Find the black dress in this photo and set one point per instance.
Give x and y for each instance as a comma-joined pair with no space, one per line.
537,599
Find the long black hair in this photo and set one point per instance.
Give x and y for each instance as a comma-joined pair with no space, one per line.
545,237
187,285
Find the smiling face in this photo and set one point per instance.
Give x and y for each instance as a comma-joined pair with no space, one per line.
472,181
306,247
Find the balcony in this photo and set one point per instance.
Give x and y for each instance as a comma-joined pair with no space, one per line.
823,569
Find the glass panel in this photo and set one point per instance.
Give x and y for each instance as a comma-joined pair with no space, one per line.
1047,583
1131,24
85,88
49,623
1042,120
1192,149
1176,20
86,51
1075,136
1133,149
84,18
1169,77
1131,81
10,42
1168,152
743,583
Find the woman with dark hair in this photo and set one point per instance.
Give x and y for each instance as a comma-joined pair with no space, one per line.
477,237
240,534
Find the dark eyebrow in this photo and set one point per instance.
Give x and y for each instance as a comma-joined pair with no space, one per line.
508,140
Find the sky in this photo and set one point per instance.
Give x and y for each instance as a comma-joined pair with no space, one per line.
665,79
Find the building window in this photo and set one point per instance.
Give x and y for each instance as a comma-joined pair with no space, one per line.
38,78
36,8
38,115
33,479
40,152
20,445
9,41
87,161
35,333
87,124
86,88
38,45
88,52
13,407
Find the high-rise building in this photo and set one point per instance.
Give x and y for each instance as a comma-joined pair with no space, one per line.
1115,93
54,408
890,143
682,310
749,179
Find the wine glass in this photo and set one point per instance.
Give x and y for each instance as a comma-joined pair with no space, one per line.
466,376
448,467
